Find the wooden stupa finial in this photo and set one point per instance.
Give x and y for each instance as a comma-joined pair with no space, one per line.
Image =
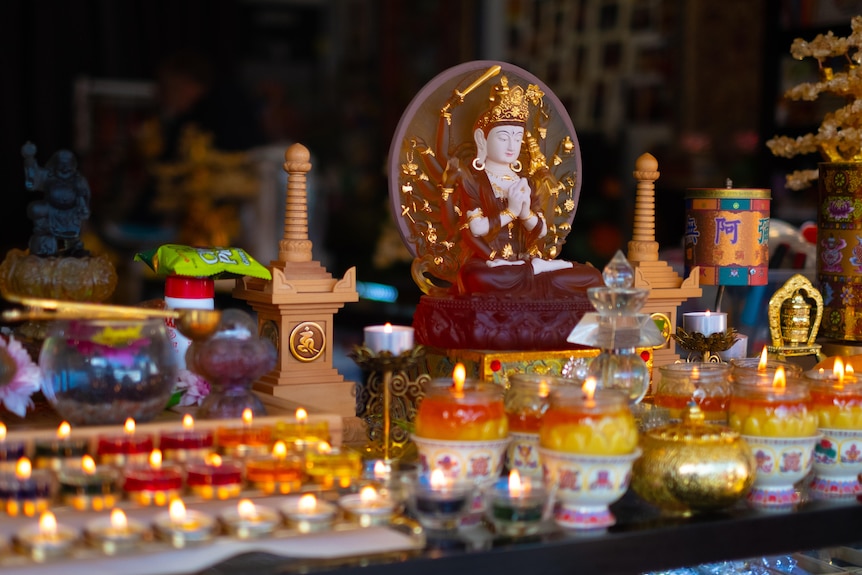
643,247
295,245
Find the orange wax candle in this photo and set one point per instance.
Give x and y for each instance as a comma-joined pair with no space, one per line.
526,400
601,424
462,411
772,410
280,472
705,383
836,398
245,439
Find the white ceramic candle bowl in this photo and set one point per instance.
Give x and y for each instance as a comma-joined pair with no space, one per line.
781,463
585,485
477,460
837,464
523,454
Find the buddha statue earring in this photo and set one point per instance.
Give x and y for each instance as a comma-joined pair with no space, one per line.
515,166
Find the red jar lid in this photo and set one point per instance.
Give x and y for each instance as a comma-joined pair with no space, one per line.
189,287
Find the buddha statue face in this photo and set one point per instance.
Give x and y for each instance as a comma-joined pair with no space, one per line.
504,144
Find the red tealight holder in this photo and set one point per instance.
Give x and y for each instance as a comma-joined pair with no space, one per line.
186,444
214,478
154,483
127,448
244,440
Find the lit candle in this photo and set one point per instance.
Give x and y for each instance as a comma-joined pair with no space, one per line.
394,339
761,369
465,411
127,448
439,502
280,472
777,410
526,402
330,466
182,527
836,397
705,383
516,505
704,322
152,484
89,486
56,452
10,450
186,444
589,421
115,533
301,433
247,520
368,507
47,539
25,491
214,478
307,514
245,439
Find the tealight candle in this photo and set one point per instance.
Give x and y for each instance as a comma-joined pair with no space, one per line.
89,486
761,369
214,478
526,402
301,433
777,410
307,514
589,421
152,484
706,383
115,533
10,450
247,520
186,444
516,506
368,507
56,452
836,397
45,540
393,339
330,466
246,439
127,448
439,502
465,411
183,527
280,472
25,491
704,322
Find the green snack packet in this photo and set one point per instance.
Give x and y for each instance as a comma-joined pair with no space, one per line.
217,263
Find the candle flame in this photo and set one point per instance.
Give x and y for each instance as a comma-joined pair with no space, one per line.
695,372
88,465
156,459
459,376
544,388
177,510
438,479
848,370
188,422
381,470
368,494
246,509
279,450
514,483
47,523
119,520
589,387
779,381
387,327
838,370
2,431
23,468
247,416
761,365
213,459
324,447
301,415
307,503
63,430
129,426
707,314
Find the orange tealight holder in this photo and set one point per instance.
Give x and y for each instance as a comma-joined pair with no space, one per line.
245,439
282,471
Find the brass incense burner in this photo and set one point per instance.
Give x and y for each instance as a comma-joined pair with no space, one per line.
693,466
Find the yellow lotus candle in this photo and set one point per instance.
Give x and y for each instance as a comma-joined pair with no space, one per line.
781,409
463,411
589,421
836,397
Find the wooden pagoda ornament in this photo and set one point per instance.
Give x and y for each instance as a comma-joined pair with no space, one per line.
667,288
296,308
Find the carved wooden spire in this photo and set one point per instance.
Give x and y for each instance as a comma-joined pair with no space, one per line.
643,247
295,245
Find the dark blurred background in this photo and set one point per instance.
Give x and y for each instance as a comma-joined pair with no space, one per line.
696,83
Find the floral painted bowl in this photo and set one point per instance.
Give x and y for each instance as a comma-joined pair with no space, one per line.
782,462
585,485
478,460
837,464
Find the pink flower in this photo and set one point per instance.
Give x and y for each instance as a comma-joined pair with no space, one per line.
193,387
20,377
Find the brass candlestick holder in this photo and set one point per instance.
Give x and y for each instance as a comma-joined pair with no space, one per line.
385,372
705,348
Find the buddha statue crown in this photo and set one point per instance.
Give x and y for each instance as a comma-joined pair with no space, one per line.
508,105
